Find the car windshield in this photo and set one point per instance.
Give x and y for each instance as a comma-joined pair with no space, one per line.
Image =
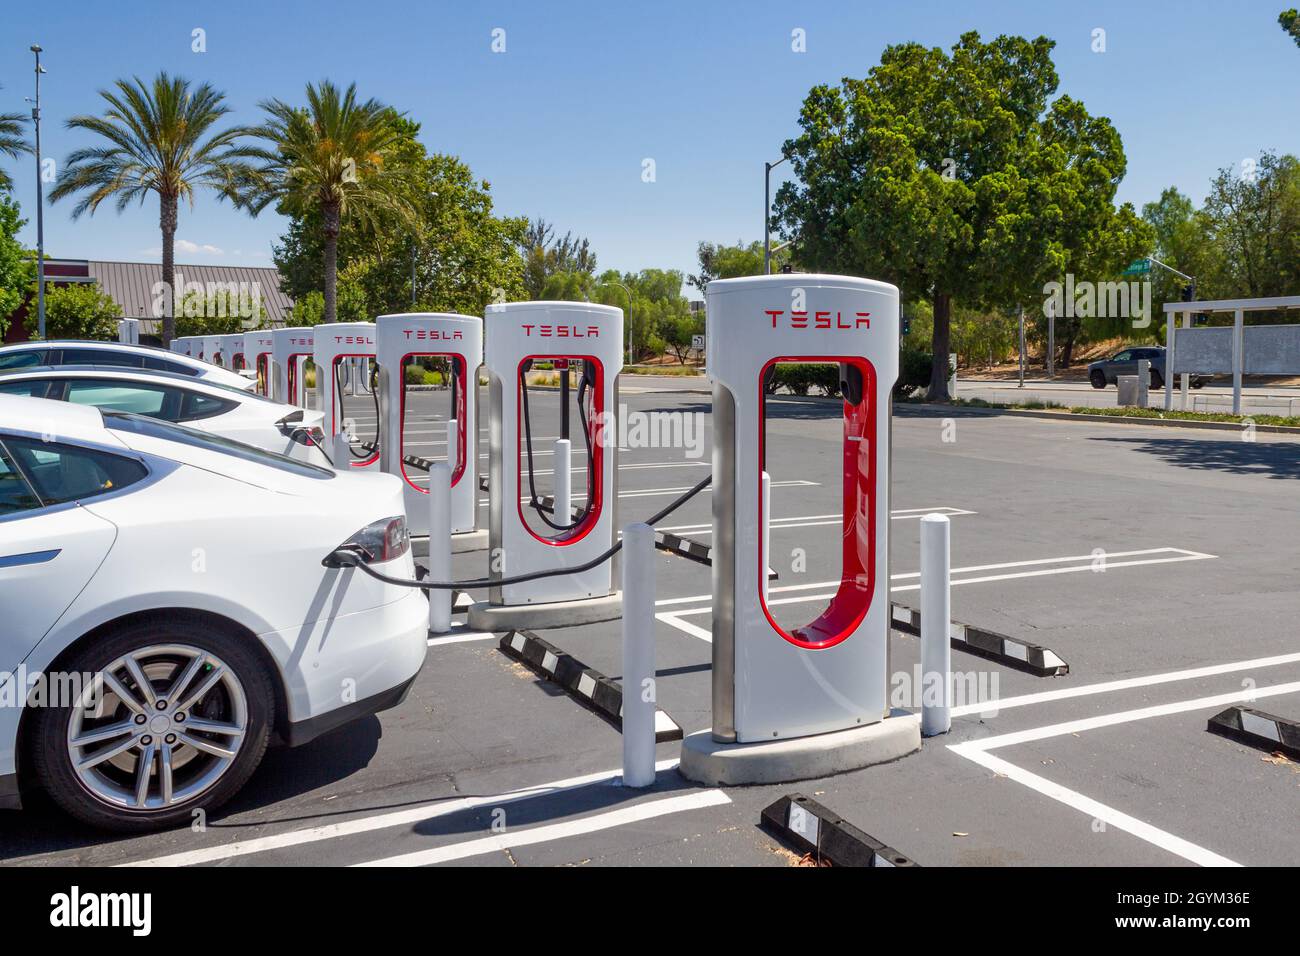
169,431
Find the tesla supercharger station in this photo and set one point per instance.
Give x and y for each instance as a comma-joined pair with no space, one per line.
231,349
258,347
211,349
290,350
401,340
181,345
128,331
519,335
336,347
782,684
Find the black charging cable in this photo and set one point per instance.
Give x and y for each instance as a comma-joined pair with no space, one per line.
354,558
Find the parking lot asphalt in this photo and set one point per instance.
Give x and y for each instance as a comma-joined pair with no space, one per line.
1158,562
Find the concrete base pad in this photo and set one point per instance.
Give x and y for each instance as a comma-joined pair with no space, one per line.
513,617
461,543
714,764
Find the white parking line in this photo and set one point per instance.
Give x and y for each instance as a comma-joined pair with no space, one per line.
1106,687
653,492
1181,554
815,521
556,831
381,821
978,752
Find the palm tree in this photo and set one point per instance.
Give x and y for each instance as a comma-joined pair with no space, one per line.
12,141
336,159
158,142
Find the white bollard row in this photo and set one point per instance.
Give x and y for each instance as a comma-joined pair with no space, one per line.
638,655
563,482
936,614
439,546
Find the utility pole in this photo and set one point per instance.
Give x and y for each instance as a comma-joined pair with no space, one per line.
1051,338
767,208
40,202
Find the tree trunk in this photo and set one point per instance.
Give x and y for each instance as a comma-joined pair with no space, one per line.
1068,354
167,221
330,216
939,344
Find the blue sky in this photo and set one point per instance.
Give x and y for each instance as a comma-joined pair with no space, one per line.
561,122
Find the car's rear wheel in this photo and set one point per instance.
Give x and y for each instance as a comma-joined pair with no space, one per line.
1157,380
1098,378
167,719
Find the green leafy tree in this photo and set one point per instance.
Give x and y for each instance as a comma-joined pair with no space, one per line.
16,270
954,175
546,257
1289,20
337,159
79,310
13,141
160,141
1253,219
464,255
731,262
219,312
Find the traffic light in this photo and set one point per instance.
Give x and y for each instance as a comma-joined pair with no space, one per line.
906,325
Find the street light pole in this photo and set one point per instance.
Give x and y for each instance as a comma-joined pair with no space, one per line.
767,206
40,202
627,292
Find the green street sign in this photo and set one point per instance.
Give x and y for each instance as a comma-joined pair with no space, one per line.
1138,267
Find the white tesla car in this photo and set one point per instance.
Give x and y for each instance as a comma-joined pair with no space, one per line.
117,354
171,603
203,404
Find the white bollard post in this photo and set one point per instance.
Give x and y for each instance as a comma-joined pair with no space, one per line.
638,655
341,451
767,531
453,450
439,546
563,483
936,617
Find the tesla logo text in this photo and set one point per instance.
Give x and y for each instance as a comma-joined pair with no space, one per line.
434,334
300,341
354,339
563,331
821,320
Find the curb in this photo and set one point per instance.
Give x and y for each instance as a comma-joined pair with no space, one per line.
1014,653
807,825
589,686
1258,729
693,550
1115,419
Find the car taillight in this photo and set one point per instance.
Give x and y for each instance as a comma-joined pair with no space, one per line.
383,540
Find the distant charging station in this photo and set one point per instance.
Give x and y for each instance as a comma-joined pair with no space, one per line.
411,437
525,535
231,349
211,349
338,349
290,350
258,347
798,691
184,345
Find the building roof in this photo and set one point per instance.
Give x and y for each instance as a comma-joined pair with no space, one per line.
131,285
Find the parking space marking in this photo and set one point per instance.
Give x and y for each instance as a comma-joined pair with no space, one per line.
1088,690
674,618
815,521
453,638
381,821
653,492
557,831
978,752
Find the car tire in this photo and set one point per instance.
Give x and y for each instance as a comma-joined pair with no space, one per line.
1197,383
206,741
1098,378
1157,380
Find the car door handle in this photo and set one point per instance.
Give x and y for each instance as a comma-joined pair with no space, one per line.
31,557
